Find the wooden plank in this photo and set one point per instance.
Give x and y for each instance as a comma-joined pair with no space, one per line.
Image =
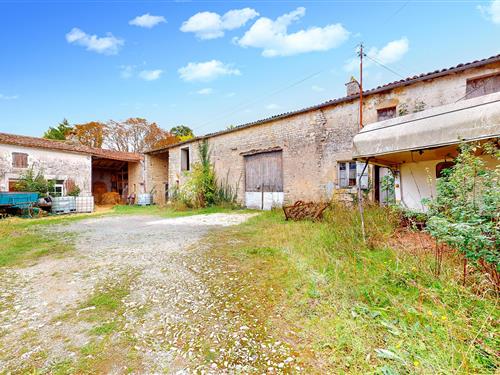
264,172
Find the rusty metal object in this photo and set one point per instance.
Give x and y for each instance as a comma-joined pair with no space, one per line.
305,210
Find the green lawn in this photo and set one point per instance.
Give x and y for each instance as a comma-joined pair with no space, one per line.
350,308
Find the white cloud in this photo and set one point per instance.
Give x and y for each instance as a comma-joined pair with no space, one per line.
206,71
107,45
491,11
209,25
8,97
205,91
230,94
272,106
274,39
150,75
390,53
317,88
127,71
147,20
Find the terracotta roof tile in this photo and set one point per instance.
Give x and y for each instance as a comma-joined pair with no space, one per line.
379,89
22,140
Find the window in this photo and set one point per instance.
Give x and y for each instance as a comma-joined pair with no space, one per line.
482,86
19,160
349,174
386,113
185,159
58,190
440,167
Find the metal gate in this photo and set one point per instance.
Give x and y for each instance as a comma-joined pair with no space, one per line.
264,180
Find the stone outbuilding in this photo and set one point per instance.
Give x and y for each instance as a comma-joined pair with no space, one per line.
307,154
93,170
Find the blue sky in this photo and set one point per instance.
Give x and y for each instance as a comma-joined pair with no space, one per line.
210,64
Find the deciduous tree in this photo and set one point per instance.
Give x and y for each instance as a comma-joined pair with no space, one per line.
136,135
90,134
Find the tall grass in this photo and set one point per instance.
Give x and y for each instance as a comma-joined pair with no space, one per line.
356,307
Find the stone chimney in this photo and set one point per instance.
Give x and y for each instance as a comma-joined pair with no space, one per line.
352,87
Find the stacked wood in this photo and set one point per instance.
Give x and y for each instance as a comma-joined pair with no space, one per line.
305,210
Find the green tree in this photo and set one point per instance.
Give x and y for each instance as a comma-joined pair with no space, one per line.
182,131
59,132
466,211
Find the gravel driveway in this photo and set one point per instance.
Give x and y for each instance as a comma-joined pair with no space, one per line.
170,320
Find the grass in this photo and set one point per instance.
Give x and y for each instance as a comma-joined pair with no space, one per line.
350,307
23,242
170,211
110,343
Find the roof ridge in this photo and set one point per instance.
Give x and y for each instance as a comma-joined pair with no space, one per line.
375,90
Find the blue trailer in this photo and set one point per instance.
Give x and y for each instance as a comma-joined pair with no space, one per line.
17,200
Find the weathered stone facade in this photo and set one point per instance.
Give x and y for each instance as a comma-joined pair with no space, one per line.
56,165
314,141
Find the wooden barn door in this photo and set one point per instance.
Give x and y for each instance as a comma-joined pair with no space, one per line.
264,180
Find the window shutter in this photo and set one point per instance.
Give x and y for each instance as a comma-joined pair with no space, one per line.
364,178
19,160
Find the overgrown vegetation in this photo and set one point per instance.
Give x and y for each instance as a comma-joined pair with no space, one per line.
466,211
202,188
35,182
347,307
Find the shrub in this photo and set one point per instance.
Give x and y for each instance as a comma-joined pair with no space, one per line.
466,211
34,182
202,188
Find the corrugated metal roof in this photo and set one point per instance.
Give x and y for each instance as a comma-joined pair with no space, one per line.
22,140
386,87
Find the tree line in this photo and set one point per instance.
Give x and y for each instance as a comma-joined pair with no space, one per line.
131,135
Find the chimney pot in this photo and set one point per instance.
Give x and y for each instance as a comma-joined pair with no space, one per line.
352,87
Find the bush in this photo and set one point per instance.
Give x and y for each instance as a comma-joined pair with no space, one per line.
466,211
202,188
34,182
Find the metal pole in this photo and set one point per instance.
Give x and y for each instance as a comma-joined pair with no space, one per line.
360,202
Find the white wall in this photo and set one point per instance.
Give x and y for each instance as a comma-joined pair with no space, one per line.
418,180
57,165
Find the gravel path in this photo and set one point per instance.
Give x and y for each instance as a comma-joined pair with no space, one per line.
173,319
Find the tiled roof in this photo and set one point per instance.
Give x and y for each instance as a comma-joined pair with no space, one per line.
387,87
22,140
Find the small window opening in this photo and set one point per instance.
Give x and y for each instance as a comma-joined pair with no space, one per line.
185,159
347,174
19,160
482,86
386,113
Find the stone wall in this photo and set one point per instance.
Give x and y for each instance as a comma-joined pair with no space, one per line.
57,165
136,178
314,141
157,176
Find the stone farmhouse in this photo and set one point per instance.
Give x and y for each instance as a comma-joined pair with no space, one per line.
93,170
411,127
308,154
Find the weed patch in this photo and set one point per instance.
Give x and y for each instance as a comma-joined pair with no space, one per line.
350,307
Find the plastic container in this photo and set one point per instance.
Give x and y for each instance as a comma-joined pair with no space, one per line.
145,199
63,205
84,204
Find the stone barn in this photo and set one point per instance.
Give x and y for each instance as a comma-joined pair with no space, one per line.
307,154
93,170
